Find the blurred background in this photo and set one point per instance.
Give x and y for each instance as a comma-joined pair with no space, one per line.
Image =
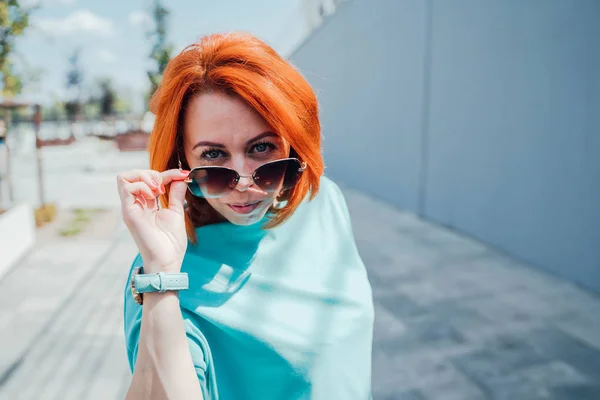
465,135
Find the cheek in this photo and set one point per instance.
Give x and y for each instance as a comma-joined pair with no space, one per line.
215,203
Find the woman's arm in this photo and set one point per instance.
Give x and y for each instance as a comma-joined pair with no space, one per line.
163,364
164,367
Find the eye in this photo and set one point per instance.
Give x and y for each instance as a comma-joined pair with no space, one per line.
211,154
262,147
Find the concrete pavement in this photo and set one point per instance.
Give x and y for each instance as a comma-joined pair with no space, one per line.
458,320
80,175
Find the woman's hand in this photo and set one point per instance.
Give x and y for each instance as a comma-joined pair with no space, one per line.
160,234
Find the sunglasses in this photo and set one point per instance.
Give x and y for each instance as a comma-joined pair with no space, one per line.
214,182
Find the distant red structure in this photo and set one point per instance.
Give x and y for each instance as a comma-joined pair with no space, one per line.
132,140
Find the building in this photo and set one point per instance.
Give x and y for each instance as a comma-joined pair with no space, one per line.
315,11
480,116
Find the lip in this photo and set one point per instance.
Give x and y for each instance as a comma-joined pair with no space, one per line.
246,208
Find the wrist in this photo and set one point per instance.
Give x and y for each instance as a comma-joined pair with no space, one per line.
155,297
156,267
143,283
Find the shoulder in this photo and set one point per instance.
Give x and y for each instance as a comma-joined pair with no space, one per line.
329,192
332,193
327,185
329,203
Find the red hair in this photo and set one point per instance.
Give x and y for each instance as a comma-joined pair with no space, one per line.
244,66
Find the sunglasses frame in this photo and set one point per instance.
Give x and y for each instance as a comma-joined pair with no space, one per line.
252,176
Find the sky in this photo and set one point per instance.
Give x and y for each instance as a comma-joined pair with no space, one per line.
112,37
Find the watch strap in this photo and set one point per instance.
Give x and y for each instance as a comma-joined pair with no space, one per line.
160,282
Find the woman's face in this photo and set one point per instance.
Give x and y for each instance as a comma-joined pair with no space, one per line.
222,130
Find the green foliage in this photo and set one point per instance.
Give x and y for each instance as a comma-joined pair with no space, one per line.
161,49
14,19
75,74
91,108
107,99
81,218
74,107
122,105
54,112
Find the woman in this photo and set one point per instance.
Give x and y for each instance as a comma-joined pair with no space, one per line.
268,296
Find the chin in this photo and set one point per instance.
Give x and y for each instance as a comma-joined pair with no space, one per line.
244,221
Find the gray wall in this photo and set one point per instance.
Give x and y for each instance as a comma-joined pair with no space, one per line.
480,115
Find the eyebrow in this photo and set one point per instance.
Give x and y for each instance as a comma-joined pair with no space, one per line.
222,146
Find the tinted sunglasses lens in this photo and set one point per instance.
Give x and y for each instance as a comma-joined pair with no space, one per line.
212,182
278,175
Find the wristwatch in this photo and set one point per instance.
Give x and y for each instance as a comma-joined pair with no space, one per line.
160,282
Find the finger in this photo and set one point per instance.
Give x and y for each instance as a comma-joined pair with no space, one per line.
133,175
138,189
141,201
152,203
173,175
177,196
152,179
136,175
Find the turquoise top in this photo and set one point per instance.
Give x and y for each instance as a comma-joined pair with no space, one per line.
285,313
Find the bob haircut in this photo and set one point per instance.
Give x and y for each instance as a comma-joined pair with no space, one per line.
240,65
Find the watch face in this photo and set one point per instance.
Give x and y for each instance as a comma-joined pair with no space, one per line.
136,296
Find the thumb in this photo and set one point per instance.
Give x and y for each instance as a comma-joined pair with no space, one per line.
177,192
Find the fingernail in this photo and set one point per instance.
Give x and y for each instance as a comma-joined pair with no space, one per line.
184,171
154,182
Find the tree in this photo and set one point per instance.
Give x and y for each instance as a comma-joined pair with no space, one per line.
123,105
161,50
14,19
104,100
54,111
107,98
74,85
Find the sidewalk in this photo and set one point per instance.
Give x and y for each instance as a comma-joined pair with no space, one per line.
454,319
80,175
61,309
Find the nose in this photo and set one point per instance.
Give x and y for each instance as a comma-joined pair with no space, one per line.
244,183
241,165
